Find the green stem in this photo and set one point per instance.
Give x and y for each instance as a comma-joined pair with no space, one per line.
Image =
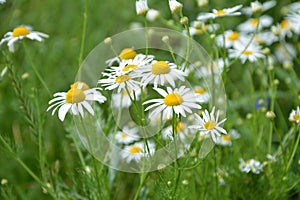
294,149
83,35
34,69
78,150
142,180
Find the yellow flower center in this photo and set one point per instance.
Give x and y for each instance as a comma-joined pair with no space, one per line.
160,67
254,22
83,86
75,95
124,135
180,127
20,31
284,24
210,125
122,78
129,67
226,138
233,36
127,53
173,99
220,12
135,149
247,53
199,91
296,117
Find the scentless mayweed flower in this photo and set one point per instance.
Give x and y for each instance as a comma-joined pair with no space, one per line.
251,165
220,13
202,94
246,52
141,7
231,37
127,135
125,54
180,100
295,115
174,6
181,131
294,19
257,7
152,15
160,72
255,24
137,151
210,124
21,33
124,98
75,100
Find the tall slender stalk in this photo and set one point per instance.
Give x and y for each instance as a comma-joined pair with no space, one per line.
83,34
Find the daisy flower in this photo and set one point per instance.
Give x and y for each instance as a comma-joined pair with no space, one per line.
127,53
123,98
250,25
75,100
160,72
137,151
295,115
180,100
251,165
257,7
198,27
284,29
181,131
127,135
2,1
215,67
294,19
141,7
21,33
174,6
294,7
231,37
251,52
210,124
152,15
266,37
226,140
285,53
202,94
220,13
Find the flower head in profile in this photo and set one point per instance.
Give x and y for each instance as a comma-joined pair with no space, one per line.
21,33
258,7
251,165
137,151
174,6
220,13
125,54
180,100
159,72
295,115
210,124
141,7
78,98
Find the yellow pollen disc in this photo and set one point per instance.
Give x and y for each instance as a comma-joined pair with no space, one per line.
226,138
129,67
296,117
173,99
220,12
127,53
199,91
254,22
210,125
124,135
180,127
83,85
233,36
135,149
284,24
160,67
247,53
75,95
201,136
122,78
20,31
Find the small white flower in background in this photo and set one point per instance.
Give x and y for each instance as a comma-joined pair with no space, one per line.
181,131
160,72
198,28
75,100
294,7
215,67
152,15
210,124
271,158
202,94
202,3
125,54
220,175
231,37
141,7
2,1
123,99
251,165
284,29
226,140
253,24
285,53
137,151
174,6
180,100
257,7
295,115
251,52
127,135
294,19
21,33
220,13
266,37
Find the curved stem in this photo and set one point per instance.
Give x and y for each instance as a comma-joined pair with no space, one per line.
142,180
83,35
